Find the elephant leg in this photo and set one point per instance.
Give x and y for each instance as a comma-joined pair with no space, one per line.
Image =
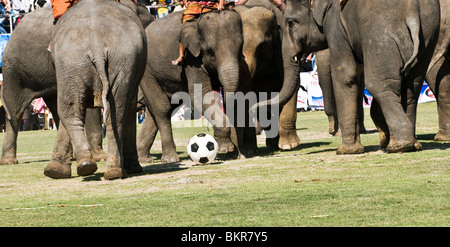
410,101
380,123
114,162
250,143
222,128
60,163
438,79
160,108
344,74
326,85
72,115
131,161
203,100
10,141
118,126
250,146
146,138
93,130
225,133
401,131
287,125
17,102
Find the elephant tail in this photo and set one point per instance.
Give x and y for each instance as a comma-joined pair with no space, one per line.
413,24
443,49
7,111
100,62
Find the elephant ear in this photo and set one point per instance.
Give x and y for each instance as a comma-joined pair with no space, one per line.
190,37
319,10
144,15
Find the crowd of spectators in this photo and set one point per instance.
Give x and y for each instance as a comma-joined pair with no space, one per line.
12,11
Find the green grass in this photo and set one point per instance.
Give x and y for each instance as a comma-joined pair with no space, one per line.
309,186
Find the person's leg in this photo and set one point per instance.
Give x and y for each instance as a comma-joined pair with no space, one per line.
180,58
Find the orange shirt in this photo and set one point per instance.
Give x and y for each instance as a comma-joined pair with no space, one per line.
60,7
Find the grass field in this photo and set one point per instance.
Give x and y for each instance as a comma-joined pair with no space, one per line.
309,186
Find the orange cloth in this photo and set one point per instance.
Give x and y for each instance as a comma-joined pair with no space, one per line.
194,10
60,7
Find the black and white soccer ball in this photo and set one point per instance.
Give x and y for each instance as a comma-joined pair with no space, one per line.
202,148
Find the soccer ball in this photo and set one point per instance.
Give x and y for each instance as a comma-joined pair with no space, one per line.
202,148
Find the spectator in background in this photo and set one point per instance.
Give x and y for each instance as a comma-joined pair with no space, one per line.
5,8
2,19
39,109
26,125
140,116
42,4
7,5
19,18
179,5
19,5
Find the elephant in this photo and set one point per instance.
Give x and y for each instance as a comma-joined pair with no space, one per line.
213,59
438,74
406,33
437,78
262,33
99,62
34,76
28,73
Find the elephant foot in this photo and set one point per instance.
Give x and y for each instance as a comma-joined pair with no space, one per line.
145,159
288,140
133,168
272,143
395,146
225,146
99,155
356,148
86,167
56,169
384,140
250,150
170,158
441,136
8,161
235,155
115,173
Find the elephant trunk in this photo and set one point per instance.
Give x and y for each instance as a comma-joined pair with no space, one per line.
291,66
228,74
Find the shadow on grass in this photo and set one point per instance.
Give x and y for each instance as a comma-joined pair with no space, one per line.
146,170
428,143
370,131
160,168
36,161
265,151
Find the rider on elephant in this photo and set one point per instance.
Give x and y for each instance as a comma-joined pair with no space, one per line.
193,10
